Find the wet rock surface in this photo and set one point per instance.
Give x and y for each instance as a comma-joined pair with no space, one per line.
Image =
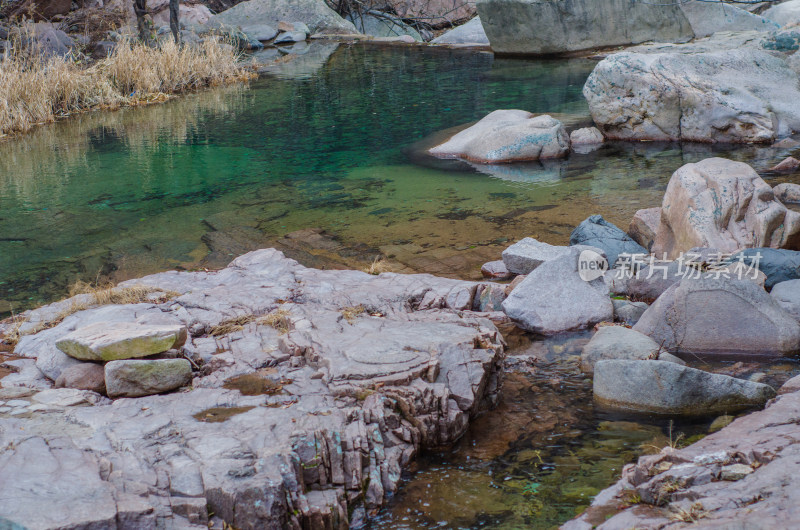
367,370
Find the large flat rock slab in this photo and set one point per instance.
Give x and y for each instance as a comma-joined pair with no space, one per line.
312,390
103,341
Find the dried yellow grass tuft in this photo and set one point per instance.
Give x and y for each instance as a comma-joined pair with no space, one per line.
35,89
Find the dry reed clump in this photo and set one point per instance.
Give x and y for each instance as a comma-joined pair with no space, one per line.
379,265
278,320
36,89
229,326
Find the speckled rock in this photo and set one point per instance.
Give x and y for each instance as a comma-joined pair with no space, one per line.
725,205
508,136
735,96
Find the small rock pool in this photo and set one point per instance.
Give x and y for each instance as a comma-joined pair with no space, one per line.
539,458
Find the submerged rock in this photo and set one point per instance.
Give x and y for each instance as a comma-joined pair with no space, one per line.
596,232
508,136
760,440
725,205
720,317
544,27
669,388
788,164
136,378
120,340
735,96
554,298
617,342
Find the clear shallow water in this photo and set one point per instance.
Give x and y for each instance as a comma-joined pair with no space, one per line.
538,459
322,159
330,142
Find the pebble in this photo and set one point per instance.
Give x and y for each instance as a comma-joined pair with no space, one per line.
735,472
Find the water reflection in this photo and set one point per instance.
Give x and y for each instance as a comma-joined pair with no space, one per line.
203,178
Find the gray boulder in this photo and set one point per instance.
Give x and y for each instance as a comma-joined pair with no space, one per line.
784,13
553,298
260,32
508,136
735,96
548,27
617,342
787,294
707,18
644,226
83,376
496,270
526,254
787,192
470,33
779,265
136,378
628,312
289,37
120,340
599,233
720,317
315,13
586,140
668,388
